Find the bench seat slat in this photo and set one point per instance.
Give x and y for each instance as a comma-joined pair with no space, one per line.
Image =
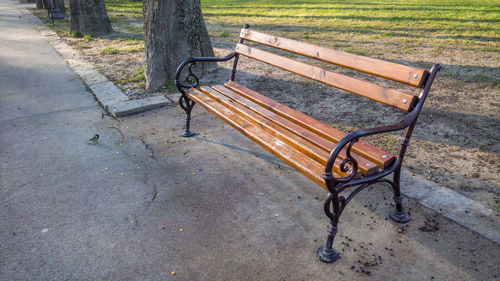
397,72
303,138
285,152
368,151
280,128
366,89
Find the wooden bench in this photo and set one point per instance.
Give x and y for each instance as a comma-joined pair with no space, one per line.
332,159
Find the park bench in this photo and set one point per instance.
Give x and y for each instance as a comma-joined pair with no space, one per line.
335,160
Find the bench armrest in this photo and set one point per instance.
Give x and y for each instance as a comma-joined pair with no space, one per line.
351,139
191,79
407,122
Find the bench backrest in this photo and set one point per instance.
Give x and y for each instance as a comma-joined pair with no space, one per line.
401,73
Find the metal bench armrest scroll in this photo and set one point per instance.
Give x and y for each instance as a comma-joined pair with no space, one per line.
192,81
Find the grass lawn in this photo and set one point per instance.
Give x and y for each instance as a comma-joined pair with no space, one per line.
403,29
463,35
408,30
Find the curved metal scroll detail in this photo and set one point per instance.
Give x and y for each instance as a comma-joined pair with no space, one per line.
349,160
191,79
342,201
334,214
185,103
348,165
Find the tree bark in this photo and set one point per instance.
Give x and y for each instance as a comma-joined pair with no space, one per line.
173,31
61,6
89,17
41,4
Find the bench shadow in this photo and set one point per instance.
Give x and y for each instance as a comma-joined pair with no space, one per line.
266,157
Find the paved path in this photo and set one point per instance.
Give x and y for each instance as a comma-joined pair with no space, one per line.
144,202
59,206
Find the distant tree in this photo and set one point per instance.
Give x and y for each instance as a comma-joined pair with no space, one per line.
89,17
173,31
61,6
42,4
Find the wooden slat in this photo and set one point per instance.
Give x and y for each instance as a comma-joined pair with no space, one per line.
366,89
370,152
302,138
303,146
397,72
283,132
291,156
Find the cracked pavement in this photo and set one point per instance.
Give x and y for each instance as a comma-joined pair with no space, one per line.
144,202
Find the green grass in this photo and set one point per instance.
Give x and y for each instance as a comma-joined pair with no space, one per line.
87,37
137,76
223,34
465,24
109,51
385,29
472,24
137,48
431,29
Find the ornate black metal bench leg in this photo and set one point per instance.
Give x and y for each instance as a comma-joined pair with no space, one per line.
398,215
327,253
187,133
187,105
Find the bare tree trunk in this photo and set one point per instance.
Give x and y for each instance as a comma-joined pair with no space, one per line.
39,4
173,31
89,17
61,6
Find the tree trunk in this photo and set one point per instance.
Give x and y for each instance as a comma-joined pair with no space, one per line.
89,17
173,31
61,6
39,4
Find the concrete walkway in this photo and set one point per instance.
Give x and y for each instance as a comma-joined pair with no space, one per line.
144,202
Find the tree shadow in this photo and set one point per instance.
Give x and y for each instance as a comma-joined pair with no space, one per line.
359,18
393,32
266,157
437,125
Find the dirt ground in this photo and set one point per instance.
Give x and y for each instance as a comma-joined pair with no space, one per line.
217,206
276,211
455,143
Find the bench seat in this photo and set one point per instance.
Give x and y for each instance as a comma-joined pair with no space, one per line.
299,140
333,159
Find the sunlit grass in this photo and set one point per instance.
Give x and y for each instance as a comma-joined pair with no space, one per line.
473,24
468,25
384,29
